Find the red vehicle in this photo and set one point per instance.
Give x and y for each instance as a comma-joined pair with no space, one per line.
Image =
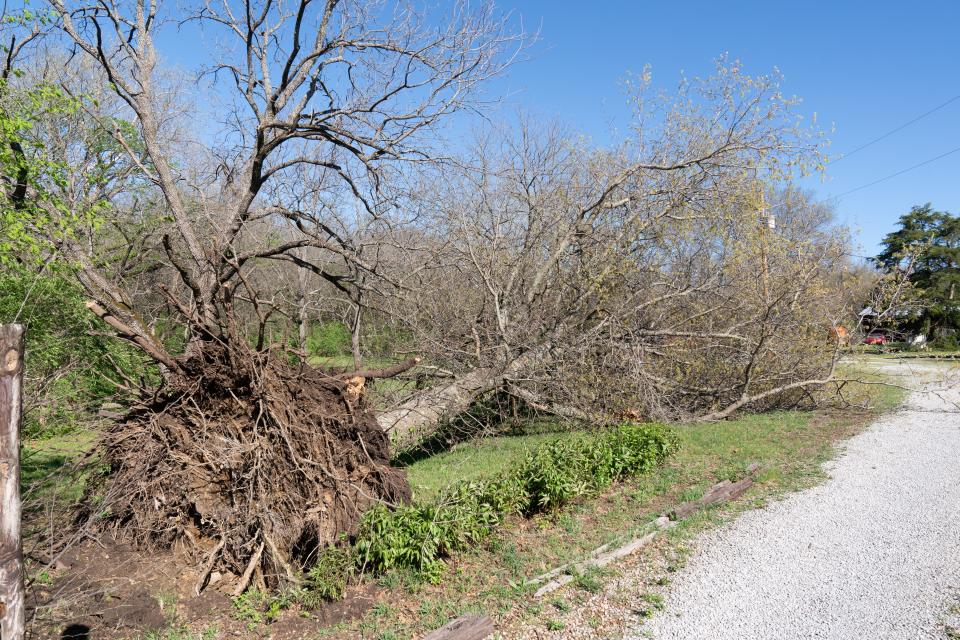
876,337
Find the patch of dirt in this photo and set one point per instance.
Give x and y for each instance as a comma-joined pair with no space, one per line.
111,591
197,610
297,627
104,589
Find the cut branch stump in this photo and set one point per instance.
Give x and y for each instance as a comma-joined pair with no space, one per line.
11,547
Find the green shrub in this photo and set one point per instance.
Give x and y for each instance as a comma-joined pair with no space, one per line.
256,607
559,472
328,340
946,343
420,535
327,579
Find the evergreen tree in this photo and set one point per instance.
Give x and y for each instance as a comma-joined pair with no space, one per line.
927,244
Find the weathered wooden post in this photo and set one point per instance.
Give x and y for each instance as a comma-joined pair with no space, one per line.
11,550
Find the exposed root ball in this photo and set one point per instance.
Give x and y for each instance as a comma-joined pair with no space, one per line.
250,462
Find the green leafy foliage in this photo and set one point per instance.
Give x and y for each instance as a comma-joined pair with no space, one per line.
256,607
328,340
946,343
420,535
70,368
29,219
327,579
927,248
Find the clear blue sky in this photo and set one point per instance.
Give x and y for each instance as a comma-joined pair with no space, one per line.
863,67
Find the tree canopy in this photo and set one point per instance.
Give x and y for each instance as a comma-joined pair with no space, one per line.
927,247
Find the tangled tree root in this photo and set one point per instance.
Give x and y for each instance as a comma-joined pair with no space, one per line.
250,462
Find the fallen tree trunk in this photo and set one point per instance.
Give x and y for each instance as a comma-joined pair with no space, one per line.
422,415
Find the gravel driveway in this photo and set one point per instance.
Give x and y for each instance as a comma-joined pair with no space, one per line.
874,552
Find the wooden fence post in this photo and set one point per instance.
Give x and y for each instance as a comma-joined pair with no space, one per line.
12,618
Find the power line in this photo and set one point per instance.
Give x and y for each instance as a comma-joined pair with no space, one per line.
893,131
898,173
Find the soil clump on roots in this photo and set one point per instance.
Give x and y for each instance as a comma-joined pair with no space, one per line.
246,462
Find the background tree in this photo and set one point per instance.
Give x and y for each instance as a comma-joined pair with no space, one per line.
927,248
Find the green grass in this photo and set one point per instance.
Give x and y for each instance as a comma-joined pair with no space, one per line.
332,362
470,461
45,464
346,362
731,445
896,352
179,631
884,398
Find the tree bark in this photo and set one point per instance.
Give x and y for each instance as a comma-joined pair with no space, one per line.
420,416
355,337
11,550
466,627
303,319
423,414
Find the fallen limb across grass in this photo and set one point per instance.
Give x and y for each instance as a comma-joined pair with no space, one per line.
724,491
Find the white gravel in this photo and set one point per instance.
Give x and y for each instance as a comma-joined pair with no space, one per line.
874,552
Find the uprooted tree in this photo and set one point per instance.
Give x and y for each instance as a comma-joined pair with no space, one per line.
241,451
640,281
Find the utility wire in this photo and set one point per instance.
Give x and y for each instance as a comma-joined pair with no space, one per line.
898,173
893,131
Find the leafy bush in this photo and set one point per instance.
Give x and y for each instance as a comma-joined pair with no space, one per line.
420,535
946,343
328,340
69,365
256,607
327,579
417,536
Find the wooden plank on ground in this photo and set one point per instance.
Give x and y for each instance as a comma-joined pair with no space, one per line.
467,627
721,492
604,559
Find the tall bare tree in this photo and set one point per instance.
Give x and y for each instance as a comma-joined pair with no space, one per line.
346,87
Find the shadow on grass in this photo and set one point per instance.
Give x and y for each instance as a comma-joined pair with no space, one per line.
480,423
55,468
